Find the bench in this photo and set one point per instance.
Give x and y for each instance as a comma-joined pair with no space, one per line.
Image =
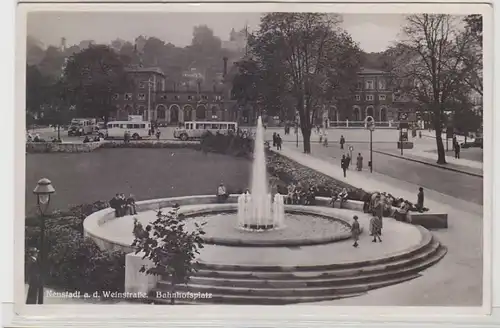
430,220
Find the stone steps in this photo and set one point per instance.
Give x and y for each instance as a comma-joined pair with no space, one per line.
319,280
283,292
427,240
288,286
254,272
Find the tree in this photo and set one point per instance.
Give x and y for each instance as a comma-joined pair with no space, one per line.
36,90
52,62
170,248
91,77
431,66
315,60
205,41
58,110
34,51
473,54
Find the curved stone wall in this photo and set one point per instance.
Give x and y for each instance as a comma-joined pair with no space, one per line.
92,224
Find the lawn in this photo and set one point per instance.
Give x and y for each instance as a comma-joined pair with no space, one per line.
147,173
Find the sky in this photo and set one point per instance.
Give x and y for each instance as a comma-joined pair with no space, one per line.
373,32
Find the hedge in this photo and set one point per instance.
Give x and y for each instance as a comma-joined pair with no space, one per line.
74,262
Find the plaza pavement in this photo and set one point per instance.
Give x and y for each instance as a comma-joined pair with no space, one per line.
457,279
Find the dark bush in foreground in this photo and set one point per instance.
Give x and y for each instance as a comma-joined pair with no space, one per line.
232,144
74,262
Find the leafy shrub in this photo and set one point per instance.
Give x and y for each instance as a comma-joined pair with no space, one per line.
171,248
231,144
75,262
289,171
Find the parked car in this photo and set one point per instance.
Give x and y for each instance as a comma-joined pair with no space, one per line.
478,142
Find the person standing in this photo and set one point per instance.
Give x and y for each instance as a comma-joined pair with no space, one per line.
456,147
355,231
158,134
342,142
278,142
274,139
359,162
375,228
343,164
348,159
420,199
325,139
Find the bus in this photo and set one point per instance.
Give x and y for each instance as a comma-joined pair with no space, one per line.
137,129
194,130
82,126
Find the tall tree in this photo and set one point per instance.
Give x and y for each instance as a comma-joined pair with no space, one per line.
316,60
91,77
34,51
473,54
430,64
58,110
205,41
37,86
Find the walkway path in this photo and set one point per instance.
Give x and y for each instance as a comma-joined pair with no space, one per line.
457,279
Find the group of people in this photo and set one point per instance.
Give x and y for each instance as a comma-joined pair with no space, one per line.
375,229
90,139
277,141
35,138
298,195
345,162
123,205
339,196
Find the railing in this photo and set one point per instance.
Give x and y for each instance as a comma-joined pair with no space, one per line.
362,124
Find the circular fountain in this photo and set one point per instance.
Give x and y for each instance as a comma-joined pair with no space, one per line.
302,253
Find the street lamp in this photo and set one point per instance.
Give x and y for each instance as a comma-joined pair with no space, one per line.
370,124
43,191
149,82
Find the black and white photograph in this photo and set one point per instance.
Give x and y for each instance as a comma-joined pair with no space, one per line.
255,158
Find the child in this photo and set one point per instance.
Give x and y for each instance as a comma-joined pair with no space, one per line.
355,231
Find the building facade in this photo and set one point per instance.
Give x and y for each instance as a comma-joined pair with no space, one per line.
373,96
157,99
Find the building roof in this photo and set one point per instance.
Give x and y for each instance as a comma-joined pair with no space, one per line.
156,70
364,70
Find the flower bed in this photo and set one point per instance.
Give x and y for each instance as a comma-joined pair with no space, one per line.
74,262
289,171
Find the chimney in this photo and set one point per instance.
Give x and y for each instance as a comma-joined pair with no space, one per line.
225,66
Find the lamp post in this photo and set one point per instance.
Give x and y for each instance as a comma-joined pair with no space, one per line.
43,191
149,99
372,128
370,124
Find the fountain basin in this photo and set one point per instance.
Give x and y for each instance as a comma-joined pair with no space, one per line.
306,225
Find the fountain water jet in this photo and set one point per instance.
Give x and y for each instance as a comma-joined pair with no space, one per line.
258,210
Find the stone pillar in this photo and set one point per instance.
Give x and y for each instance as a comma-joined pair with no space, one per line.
135,281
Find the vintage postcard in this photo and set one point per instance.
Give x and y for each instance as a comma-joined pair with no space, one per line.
327,155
